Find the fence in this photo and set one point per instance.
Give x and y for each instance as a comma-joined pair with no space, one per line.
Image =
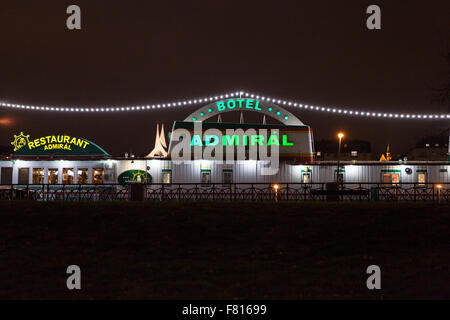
232,192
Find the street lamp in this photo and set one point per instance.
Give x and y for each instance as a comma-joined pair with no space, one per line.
340,136
439,187
276,187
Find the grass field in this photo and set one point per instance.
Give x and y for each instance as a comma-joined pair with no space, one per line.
224,250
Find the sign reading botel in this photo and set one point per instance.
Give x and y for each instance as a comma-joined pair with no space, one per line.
55,144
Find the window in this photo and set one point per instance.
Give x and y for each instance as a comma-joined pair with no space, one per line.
227,176
319,154
83,176
354,153
206,177
6,175
38,176
167,177
24,175
67,176
306,178
52,176
98,176
391,178
421,178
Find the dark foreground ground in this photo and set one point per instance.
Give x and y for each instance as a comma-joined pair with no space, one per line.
224,250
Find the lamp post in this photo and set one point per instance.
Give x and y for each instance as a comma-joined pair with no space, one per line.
340,136
276,187
439,187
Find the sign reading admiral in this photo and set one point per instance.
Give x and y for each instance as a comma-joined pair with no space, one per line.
55,144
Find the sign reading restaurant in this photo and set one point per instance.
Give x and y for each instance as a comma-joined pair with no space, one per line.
55,144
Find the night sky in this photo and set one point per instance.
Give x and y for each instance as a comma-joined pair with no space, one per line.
144,52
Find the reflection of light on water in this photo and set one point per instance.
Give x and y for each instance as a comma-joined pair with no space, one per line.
5,121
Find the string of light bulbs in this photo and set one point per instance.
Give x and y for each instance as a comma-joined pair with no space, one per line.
238,94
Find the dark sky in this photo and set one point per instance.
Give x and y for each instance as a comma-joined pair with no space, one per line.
144,52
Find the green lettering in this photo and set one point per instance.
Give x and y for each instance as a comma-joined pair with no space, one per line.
257,139
231,104
208,140
285,141
249,104
220,106
196,141
273,140
231,140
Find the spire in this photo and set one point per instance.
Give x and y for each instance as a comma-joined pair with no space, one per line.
264,120
448,155
219,119
159,151
162,137
242,118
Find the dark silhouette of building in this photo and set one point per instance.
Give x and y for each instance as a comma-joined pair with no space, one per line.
431,148
327,150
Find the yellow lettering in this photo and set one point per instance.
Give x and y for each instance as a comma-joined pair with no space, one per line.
36,143
66,139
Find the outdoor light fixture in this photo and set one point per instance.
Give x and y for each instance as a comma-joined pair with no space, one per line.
439,187
340,136
276,187
286,102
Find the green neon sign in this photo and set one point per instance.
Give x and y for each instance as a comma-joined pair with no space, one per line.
238,140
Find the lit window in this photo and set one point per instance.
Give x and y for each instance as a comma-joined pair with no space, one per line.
319,154
427,145
354,153
206,177
306,178
167,177
421,178
38,176
387,178
83,176
98,176
52,176
395,178
67,176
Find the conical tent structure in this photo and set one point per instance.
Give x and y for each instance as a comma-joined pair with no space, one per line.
160,149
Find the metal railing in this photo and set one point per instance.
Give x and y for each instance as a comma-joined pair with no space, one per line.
232,192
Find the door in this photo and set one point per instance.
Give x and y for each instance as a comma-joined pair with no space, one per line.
24,175
6,176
